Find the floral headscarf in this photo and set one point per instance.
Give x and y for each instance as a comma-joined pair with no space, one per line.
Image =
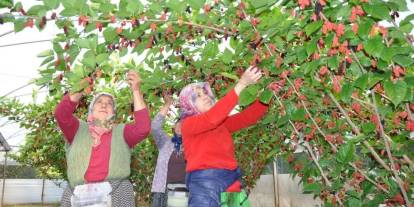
97,127
188,97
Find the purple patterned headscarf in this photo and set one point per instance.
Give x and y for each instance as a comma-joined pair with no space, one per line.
188,97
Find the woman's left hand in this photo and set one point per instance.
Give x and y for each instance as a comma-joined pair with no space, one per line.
134,80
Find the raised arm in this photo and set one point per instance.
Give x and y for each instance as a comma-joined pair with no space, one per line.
247,117
158,133
66,121
137,131
220,111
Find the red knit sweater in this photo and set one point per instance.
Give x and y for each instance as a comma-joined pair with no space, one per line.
207,137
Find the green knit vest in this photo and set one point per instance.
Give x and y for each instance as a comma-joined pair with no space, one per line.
79,152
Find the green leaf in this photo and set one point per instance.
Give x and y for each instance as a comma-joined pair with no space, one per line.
228,75
248,95
19,25
47,60
407,19
346,92
102,58
314,188
110,34
368,127
387,54
361,82
353,202
36,10
374,46
312,27
374,78
406,27
261,3
107,7
6,3
379,11
343,12
18,6
398,5
68,12
364,28
266,96
333,62
311,47
282,121
403,60
51,4
196,4
270,118
123,52
45,53
135,7
176,5
409,80
83,43
345,153
301,54
210,50
309,67
89,59
227,56
357,139
396,92
298,115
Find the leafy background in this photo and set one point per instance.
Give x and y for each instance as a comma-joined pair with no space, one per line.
338,74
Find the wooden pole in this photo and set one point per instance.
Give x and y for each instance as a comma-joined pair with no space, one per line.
275,183
43,190
4,179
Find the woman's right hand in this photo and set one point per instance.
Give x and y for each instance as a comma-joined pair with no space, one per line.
249,77
168,101
75,97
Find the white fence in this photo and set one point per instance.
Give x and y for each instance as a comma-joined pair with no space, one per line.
285,192
21,191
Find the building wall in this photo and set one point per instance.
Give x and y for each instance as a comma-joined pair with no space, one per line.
21,191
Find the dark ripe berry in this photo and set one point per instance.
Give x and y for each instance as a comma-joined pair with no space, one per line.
65,30
318,8
188,9
53,15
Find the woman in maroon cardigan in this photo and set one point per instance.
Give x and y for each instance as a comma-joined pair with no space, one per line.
98,151
207,138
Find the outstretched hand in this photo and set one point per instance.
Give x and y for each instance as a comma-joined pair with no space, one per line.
134,80
249,77
168,101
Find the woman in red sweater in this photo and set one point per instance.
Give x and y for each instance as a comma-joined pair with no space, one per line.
207,131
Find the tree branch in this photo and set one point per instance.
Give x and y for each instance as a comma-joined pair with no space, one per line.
388,149
357,131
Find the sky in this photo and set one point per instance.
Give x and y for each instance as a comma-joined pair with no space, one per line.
19,65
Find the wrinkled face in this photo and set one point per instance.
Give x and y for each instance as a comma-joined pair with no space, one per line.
103,108
203,101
